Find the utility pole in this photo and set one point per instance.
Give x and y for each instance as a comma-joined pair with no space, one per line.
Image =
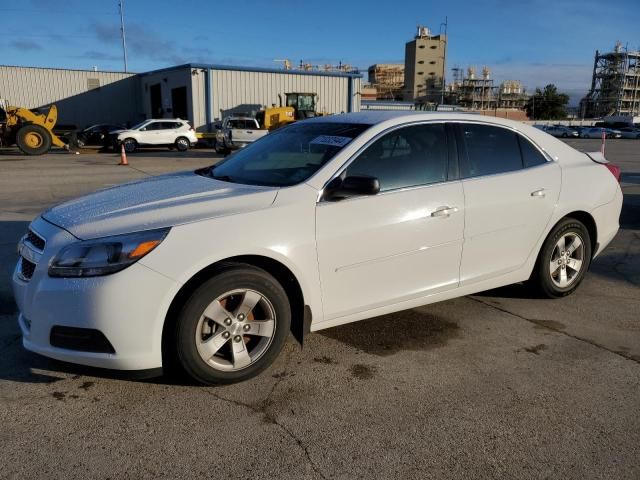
444,58
124,37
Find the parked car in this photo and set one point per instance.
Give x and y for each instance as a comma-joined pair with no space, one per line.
321,223
96,134
562,131
630,132
238,132
596,132
169,132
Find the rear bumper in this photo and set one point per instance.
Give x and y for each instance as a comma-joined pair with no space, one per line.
607,218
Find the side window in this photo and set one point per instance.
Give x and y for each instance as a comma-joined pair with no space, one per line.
490,150
151,126
406,157
531,156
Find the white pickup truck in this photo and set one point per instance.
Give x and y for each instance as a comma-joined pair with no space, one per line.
238,132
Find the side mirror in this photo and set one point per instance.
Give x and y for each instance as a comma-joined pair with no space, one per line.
353,186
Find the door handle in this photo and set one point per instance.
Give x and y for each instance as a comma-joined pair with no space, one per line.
538,193
444,211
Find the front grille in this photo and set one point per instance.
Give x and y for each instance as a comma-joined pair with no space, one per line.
35,240
27,268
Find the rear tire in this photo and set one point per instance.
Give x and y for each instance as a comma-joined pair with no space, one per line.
33,140
182,144
214,345
563,260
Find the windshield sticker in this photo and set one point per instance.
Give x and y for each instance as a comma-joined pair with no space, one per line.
332,140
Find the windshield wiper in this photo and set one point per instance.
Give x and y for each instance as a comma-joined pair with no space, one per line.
222,178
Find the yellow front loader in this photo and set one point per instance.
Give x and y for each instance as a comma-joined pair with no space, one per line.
298,107
32,132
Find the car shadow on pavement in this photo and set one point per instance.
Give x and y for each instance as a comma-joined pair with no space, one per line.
389,334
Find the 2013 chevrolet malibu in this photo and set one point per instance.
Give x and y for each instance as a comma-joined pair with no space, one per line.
323,222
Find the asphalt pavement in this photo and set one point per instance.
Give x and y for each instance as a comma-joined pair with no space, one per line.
495,385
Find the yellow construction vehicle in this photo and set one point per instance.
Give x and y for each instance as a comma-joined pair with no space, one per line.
298,106
32,132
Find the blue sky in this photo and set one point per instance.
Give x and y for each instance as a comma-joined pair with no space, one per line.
536,41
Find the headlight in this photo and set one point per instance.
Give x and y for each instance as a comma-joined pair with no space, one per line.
103,256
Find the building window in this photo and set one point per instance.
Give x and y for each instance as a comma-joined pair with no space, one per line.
420,73
432,62
432,73
433,47
420,62
420,46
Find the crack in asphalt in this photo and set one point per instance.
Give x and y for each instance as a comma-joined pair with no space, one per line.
543,324
262,410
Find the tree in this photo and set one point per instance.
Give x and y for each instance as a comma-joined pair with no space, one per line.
547,104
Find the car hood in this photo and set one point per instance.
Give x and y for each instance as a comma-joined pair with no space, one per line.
156,202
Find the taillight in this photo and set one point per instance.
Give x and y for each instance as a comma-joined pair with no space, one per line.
614,169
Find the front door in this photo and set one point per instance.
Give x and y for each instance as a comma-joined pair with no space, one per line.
403,243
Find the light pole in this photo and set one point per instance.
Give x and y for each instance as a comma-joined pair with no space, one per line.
124,38
444,57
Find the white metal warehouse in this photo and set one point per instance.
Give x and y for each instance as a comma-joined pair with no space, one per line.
200,93
210,90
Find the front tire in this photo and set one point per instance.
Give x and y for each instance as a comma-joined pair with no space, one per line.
563,260
130,145
33,139
233,326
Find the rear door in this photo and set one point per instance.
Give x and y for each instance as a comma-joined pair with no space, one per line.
167,132
510,190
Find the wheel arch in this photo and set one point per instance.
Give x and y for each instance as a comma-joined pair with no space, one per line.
589,222
300,312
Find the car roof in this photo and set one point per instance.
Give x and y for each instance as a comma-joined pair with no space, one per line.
398,117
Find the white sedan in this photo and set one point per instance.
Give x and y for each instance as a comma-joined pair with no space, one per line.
320,223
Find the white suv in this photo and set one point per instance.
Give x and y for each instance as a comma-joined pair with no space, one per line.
171,132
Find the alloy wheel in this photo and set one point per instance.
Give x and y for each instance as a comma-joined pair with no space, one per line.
235,330
567,259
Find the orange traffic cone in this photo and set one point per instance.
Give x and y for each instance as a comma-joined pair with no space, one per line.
123,156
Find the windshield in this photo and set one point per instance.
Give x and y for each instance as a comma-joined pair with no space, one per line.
287,156
136,127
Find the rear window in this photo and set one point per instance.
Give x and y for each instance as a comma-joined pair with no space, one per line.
289,155
490,150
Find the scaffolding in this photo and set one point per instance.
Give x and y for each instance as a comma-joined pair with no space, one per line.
388,80
615,85
477,93
482,94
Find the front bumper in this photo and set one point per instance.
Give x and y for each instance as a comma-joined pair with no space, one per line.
127,307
